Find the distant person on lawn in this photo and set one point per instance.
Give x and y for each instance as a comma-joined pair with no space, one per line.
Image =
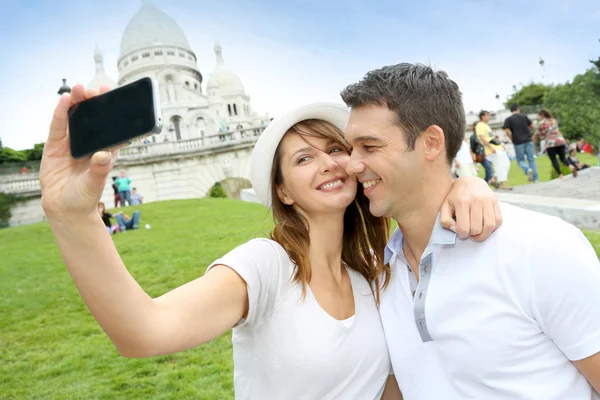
518,128
123,183
136,198
106,216
126,223
494,151
555,142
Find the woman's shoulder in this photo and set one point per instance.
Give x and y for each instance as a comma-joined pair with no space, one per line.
263,249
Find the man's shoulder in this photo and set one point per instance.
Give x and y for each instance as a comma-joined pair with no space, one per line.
528,230
520,221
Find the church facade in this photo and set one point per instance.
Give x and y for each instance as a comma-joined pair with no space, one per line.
153,45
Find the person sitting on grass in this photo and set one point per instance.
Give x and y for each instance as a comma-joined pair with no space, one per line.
574,160
106,216
136,198
126,223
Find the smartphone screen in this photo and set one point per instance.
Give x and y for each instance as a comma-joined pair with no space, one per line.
113,118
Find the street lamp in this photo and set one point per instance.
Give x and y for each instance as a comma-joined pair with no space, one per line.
64,88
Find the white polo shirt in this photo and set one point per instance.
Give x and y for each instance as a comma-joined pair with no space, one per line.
500,319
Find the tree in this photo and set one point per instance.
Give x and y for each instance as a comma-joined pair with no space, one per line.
529,95
35,154
577,107
217,191
7,155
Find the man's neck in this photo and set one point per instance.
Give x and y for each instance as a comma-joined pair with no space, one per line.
417,224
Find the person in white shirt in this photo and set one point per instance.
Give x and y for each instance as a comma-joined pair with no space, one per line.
302,305
514,317
463,164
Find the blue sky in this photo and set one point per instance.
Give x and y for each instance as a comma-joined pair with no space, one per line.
292,52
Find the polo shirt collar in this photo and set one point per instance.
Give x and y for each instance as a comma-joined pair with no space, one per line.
439,236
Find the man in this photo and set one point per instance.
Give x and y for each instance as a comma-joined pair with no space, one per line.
126,223
136,198
479,151
514,317
494,151
518,129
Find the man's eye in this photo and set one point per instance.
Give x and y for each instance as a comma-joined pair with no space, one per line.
368,148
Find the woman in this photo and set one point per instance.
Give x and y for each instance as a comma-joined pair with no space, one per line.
555,142
305,321
105,217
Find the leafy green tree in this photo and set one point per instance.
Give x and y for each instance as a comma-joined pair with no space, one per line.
35,154
576,105
7,155
217,190
529,95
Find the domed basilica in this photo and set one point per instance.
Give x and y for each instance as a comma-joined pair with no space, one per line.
153,45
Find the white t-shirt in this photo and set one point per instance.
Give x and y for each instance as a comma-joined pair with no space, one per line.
500,319
290,348
464,154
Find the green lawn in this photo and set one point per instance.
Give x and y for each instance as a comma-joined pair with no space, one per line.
516,176
53,349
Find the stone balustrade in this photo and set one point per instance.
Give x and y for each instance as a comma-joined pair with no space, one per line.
30,184
212,142
26,184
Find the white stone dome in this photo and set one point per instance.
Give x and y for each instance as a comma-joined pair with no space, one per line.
152,27
222,78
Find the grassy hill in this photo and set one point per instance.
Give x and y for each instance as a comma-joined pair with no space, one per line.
53,349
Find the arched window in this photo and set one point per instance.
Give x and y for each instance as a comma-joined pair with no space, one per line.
200,125
229,109
171,95
234,109
176,121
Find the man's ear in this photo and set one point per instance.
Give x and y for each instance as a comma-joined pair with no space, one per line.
434,142
283,197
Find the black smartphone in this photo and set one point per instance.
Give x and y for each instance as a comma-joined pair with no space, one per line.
114,119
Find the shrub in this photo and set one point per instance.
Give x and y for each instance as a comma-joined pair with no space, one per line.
217,191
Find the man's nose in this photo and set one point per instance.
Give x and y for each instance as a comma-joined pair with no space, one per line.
355,166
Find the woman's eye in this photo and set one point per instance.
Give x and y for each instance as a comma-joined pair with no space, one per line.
336,150
303,159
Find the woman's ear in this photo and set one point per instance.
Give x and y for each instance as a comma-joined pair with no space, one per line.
283,197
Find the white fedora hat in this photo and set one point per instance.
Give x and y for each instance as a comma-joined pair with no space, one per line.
264,150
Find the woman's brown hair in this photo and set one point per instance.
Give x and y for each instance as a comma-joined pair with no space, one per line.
545,113
365,236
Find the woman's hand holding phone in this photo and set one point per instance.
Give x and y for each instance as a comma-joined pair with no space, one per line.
71,188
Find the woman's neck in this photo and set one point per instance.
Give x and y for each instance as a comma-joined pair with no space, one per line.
326,244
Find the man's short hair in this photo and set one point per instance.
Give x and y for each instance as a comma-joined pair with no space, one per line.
419,96
482,113
514,107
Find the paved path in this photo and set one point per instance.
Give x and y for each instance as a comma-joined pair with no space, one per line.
585,187
576,200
